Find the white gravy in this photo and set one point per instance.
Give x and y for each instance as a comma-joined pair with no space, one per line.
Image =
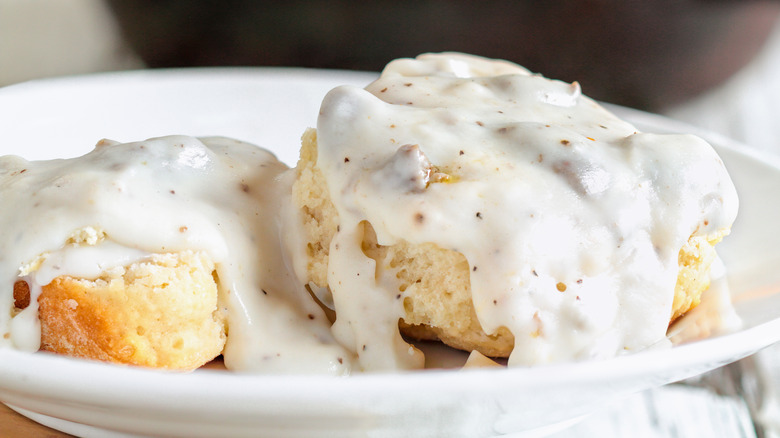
168,194
570,219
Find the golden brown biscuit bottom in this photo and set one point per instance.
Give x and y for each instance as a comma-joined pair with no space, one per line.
161,313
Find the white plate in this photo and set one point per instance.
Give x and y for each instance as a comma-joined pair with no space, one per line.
271,107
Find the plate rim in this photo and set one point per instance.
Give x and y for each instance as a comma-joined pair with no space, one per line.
20,372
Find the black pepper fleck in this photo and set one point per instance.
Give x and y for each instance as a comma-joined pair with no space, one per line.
346,159
479,215
264,292
311,316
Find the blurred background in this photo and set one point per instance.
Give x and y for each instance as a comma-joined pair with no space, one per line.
670,56
645,54
712,63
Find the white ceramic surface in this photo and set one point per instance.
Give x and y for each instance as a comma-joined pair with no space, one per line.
271,107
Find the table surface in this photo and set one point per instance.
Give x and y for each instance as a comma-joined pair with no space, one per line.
13,424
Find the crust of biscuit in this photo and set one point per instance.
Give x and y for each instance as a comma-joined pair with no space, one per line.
320,219
434,282
161,313
694,260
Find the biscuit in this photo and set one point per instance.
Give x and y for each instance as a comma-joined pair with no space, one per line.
435,282
162,313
